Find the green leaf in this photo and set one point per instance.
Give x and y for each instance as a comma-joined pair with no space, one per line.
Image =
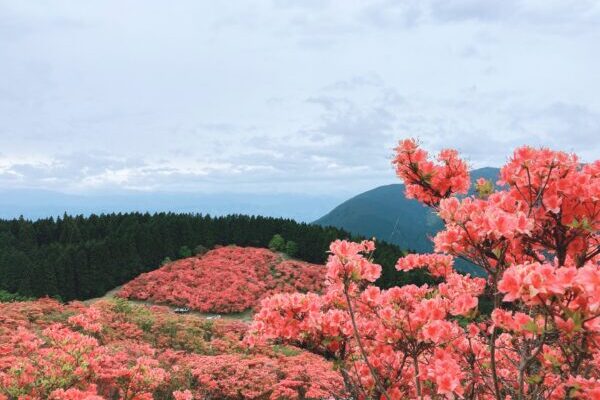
585,224
531,326
497,252
485,189
577,320
551,358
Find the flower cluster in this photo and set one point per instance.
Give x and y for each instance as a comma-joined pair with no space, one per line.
225,280
295,376
346,262
115,349
438,265
89,393
537,239
426,181
366,329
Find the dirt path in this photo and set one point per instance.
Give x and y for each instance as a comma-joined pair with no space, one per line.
108,295
243,316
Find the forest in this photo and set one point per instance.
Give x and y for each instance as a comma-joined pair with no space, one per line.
82,257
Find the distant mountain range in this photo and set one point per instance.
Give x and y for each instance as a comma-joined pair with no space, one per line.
382,212
34,203
385,213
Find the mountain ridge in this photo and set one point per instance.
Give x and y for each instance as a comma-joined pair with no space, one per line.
44,203
385,213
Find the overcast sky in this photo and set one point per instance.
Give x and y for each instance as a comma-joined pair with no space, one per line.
286,96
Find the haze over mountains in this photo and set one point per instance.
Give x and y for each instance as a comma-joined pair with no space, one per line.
35,203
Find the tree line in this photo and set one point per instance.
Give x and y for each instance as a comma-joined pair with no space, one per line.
81,257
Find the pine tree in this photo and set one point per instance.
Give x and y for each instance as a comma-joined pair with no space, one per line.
81,257
291,248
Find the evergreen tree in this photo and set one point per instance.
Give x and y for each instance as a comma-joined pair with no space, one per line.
77,257
291,248
200,250
185,252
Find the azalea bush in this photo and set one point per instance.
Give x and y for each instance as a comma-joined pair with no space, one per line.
225,280
293,376
117,350
537,239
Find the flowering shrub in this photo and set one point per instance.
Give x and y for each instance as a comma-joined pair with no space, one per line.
224,280
117,350
233,376
538,240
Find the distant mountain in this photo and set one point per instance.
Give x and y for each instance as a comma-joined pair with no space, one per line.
34,203
386,214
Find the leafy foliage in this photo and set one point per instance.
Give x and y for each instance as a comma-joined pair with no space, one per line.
277,243
184,252
291,248
6,297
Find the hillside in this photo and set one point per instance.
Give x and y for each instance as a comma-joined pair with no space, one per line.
225,280
118,350
386,214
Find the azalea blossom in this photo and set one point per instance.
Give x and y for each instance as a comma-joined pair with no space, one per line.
536,237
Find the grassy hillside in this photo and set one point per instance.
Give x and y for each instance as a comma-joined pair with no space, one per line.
385,213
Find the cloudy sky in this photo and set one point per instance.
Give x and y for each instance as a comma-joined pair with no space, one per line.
285,96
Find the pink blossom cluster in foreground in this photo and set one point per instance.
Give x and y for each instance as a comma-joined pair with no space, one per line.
537,238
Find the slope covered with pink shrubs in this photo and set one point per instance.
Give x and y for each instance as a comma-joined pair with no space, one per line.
117,350
224,280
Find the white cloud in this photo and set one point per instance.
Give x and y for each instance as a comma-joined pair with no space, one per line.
285,96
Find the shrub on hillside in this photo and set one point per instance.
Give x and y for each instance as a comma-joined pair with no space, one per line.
6,297
277,243
227,279
116,350
184,252
200,250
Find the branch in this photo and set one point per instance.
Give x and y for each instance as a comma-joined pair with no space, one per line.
362,349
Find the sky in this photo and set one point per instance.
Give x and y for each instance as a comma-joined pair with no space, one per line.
285,96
